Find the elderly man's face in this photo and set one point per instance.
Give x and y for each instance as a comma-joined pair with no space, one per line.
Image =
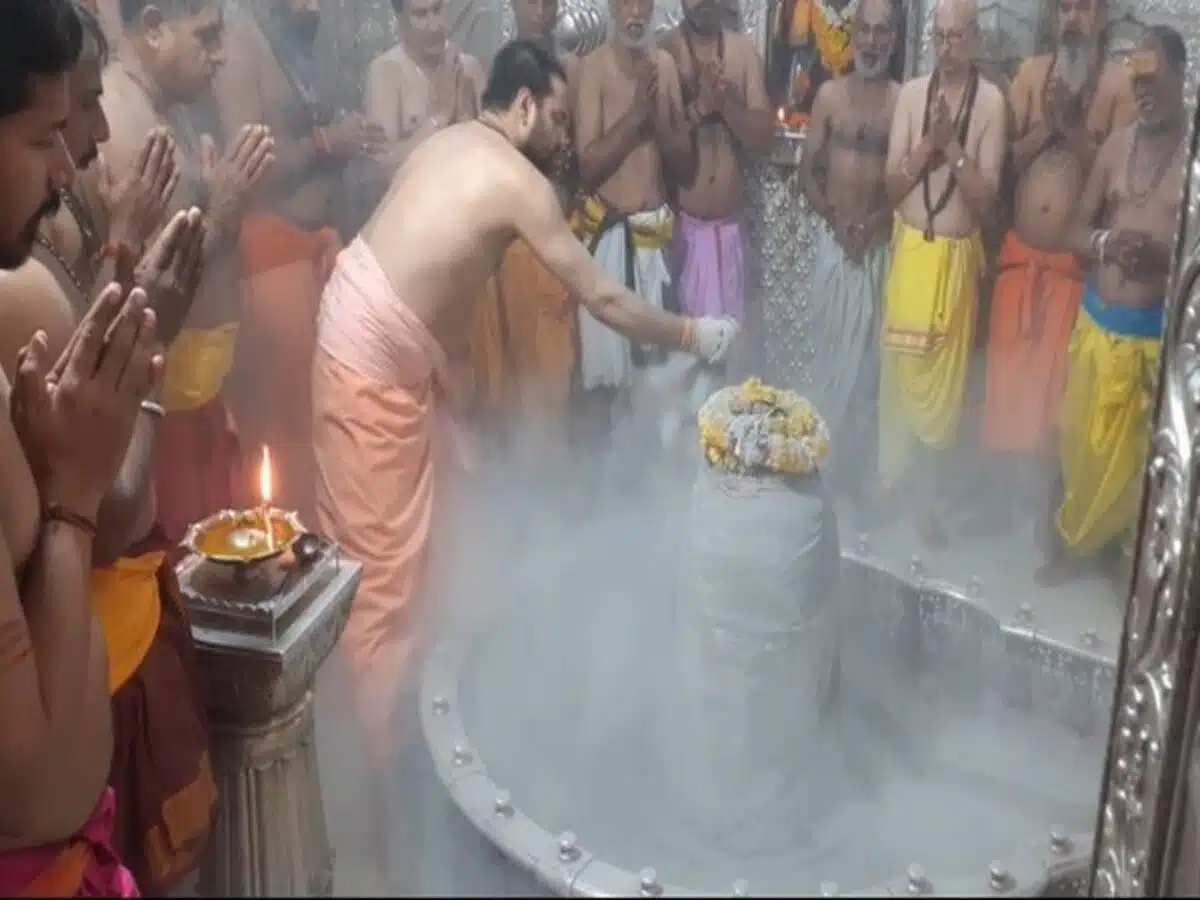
1079,21
955,36
631,21
874,37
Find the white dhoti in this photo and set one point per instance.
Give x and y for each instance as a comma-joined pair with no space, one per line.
632,249
839,331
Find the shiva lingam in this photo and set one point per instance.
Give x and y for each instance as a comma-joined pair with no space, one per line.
268,601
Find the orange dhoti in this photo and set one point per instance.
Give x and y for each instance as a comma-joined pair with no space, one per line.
161,775
197,457
540,318
377,381
489,356
284,270
1033,311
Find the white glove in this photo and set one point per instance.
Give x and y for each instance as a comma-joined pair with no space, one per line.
712,338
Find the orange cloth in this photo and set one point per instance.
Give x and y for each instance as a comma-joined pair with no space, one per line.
368,435
489,352
378,387
124,598
197,468
541,331
1033,311
284,270
161,774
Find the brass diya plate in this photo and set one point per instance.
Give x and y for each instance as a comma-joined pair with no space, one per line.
241,537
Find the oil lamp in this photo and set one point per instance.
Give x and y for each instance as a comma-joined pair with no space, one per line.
790,137
248,536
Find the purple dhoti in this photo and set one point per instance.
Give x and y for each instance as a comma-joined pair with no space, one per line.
711,265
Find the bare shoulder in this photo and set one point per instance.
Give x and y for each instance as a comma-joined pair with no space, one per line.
570,64
595,63
912,92
739,48
391,58
1031,71
1115,76
31,300
473,68
990,98
672,42
243,36
664,60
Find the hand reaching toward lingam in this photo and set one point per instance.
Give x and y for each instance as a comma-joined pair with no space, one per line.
712,338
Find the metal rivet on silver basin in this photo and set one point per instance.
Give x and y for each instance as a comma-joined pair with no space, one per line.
568,846
918,883
649,882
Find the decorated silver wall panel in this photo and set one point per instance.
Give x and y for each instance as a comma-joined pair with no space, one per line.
1145,802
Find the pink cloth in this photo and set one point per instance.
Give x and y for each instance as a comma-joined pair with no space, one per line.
710,258
27,873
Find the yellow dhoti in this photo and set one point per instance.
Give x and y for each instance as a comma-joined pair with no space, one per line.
928,320
1112,366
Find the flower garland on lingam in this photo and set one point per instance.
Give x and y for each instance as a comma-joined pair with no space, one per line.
754,428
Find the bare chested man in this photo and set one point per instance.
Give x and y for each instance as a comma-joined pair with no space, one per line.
418,87
728,114
629,130
171,51
843,178
1064,104
60,450
287,246
403,290
1124,228
160,747
945,155
422,84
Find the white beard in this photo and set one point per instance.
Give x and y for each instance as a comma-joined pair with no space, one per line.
1073,64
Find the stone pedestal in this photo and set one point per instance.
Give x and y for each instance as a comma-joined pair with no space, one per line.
262,634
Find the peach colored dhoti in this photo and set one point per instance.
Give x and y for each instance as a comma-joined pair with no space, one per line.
377,375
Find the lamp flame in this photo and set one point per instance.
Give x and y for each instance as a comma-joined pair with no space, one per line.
264,477
779,114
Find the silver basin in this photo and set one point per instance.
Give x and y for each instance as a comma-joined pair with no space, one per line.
961,757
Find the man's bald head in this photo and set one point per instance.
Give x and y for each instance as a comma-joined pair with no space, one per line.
955,35
874,37
954,13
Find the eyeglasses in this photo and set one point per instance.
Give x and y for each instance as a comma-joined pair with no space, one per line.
953,36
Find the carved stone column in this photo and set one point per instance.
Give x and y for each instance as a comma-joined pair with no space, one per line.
262,635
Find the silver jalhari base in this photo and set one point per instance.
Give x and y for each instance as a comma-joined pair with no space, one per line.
262,633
